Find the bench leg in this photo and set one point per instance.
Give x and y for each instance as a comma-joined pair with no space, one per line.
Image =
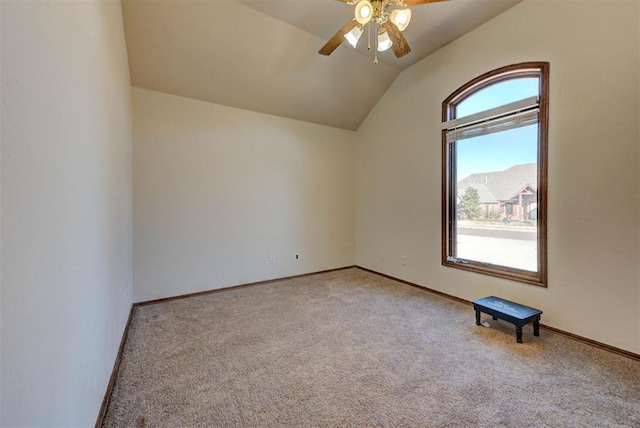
478,317
519,333
536,327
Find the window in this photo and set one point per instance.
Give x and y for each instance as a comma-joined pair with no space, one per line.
494,185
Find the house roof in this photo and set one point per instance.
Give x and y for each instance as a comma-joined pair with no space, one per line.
486,197
501,185
261,55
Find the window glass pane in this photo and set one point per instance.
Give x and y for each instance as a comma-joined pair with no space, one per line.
497,199
498,94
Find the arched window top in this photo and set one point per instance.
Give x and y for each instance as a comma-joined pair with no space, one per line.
496,88
497,94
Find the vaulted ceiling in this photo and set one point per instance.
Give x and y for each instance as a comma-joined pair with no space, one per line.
261,55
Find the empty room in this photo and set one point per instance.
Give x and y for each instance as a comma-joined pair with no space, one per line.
320,213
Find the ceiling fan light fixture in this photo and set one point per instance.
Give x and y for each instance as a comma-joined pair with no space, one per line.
354,35
364,11
401,18
384,42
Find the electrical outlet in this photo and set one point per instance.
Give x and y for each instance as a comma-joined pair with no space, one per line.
404,260
272,259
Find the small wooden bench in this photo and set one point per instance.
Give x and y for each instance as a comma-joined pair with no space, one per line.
514,313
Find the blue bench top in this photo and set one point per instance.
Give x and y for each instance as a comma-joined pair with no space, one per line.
507,307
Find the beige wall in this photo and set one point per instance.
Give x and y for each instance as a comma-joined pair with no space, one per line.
218,190
66,208
594,287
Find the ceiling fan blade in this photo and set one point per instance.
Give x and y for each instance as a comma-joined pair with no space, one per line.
338,38
400,46
409,3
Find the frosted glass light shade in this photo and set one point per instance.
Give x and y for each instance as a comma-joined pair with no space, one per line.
384,42
354,35
364,12
401,18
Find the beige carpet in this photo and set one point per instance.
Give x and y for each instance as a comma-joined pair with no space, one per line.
351,348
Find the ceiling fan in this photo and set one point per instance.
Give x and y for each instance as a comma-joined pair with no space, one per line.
387,18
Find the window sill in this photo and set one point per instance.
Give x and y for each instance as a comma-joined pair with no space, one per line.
532,278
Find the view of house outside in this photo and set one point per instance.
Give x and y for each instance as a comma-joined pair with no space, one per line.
497,210
496,217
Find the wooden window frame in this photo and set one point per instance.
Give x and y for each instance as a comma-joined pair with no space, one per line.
525,69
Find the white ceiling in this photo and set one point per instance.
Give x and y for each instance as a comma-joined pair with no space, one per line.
261,55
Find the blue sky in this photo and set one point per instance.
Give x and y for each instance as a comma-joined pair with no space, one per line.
499,151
